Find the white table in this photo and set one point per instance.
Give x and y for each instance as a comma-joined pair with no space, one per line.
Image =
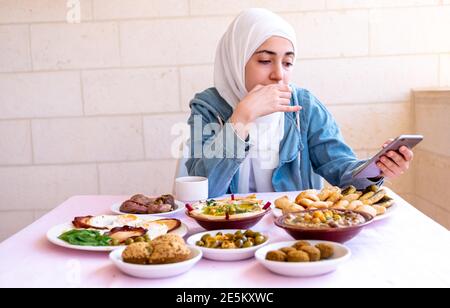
407,249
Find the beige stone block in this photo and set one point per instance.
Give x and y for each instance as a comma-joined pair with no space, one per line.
171,41
425,207
358,80
87,139
444,79
411,30
14,49
23,11
40,213
12,222
147,177
194,79
15,142
368,126
352,4
221,7
442,216
432,177
28,95
73,46
119,9
130,91
331,34
44,187
164,135
432,121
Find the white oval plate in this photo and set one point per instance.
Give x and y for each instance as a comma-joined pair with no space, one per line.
115,208
225,254
56,231
303,269
154,270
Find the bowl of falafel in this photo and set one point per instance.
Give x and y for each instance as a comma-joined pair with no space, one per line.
165,256
302,258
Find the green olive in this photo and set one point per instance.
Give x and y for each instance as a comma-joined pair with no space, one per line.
238,243
129,241
219,233
229,236
244,238
238,233
249,233
200,243
204,237
146,237
139,239
256,234
247,244
259,239
115,242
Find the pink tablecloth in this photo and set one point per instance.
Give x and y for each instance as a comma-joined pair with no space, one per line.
405,250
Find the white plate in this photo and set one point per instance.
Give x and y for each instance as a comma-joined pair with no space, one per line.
154,270
56,231
115,208
224,254
303,269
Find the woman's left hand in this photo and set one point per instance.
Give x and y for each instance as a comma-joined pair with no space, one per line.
395,163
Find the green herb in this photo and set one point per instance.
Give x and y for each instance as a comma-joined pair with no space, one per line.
85,238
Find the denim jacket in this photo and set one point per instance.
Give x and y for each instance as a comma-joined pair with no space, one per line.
323,152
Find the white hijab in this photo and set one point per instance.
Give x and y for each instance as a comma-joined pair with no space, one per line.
247,32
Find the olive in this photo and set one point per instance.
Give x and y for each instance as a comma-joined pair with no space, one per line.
229,236
146,237
249,233
200,243
238,236
238,232
115,242
238,243
259,239
129,241
204,237
139,239
251,239
219,233
256,234
244,238
247,244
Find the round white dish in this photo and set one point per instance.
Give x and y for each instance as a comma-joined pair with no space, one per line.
218,254
154,270
56,231
303,269
115,208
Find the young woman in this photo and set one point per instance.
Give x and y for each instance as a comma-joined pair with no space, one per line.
256,132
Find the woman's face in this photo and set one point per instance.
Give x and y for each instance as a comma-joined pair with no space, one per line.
271,63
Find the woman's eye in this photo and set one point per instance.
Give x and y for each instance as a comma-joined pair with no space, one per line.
264,61
288,64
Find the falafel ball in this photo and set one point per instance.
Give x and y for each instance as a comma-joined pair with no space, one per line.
313,252
286,250
326,250
300,244
298,256
137,253
168,248
276,255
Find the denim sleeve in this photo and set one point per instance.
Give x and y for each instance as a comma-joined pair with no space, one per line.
331,157
216,152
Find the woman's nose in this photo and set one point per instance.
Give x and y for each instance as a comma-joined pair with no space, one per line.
277,73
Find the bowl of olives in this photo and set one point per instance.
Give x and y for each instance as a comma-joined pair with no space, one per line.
228,244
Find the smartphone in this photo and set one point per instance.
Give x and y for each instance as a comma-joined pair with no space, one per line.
370,170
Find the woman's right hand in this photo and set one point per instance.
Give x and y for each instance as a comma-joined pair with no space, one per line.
259,102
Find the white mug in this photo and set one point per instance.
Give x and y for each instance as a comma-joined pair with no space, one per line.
191,188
